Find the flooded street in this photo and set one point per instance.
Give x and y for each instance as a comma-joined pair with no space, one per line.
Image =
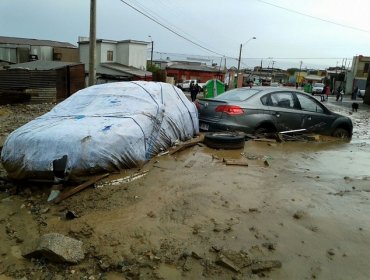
299,210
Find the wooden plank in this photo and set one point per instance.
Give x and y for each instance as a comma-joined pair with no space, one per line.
235,162
79,188
186,145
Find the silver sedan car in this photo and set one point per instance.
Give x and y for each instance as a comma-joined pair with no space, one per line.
270,109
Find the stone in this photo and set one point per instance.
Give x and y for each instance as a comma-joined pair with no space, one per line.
57,248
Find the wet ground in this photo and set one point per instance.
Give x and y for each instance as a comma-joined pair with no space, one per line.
304,216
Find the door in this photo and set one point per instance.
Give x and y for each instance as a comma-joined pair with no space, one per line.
285,111
314,116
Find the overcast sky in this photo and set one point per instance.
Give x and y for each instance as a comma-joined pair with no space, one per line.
320,33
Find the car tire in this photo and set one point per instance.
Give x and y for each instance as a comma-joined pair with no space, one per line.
341,133
224,140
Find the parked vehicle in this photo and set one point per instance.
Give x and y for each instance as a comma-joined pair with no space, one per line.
102,128
317,88
264,109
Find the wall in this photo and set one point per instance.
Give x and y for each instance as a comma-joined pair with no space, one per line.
66,54
132,54
123,53
104,48
194,75
43,52
84,55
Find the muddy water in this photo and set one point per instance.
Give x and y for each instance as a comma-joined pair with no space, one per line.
309,209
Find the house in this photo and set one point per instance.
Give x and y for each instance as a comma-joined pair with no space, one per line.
358,74
40,81
117,60
18,50
185,70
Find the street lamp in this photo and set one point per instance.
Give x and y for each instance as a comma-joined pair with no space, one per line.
240,51
151,53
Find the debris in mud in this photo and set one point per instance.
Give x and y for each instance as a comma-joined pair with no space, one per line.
269,246
185,145
262,266
254,210
124,180
196,255
57,248
79,188
299,214
235,162
331,252
70,215
225,262
151,214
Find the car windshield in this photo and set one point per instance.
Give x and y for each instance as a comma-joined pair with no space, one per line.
239,94
318,85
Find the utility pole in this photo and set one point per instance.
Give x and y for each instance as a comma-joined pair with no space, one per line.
240,56
151,55
92,45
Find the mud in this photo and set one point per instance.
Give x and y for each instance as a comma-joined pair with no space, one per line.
304,216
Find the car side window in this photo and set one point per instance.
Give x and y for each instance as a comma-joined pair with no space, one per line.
282,99
307,104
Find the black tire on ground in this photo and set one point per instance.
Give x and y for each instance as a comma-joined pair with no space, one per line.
224,140
341,133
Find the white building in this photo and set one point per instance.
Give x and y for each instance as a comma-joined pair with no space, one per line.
358,74
117,60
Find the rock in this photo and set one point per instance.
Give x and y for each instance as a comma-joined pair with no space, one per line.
57,248
261,266
299,214
331,252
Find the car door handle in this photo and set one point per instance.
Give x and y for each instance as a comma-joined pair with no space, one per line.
309,118
276,114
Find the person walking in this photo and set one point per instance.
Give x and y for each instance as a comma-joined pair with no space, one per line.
339,89
194,89
323,92
355,93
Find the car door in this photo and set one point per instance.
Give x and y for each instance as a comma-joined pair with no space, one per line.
314,116
285,111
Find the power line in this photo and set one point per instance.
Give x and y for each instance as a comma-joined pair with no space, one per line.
317,18
249,58
169,29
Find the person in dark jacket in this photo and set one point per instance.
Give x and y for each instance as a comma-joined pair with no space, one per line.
194,90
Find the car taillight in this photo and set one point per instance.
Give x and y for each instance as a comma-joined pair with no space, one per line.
230,110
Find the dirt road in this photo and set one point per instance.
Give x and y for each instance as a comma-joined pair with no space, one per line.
304,216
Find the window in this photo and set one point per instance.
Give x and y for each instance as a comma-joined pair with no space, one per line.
366,68
109,55
282,99
307,104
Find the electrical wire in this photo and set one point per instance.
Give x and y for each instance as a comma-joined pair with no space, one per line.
313,17
169,29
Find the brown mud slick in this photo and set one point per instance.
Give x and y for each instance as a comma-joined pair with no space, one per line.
305,215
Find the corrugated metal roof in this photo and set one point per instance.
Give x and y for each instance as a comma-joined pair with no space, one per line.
87,41
42,65
34,42
202,68
126,69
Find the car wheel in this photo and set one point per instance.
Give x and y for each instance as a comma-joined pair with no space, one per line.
341,133
224,140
